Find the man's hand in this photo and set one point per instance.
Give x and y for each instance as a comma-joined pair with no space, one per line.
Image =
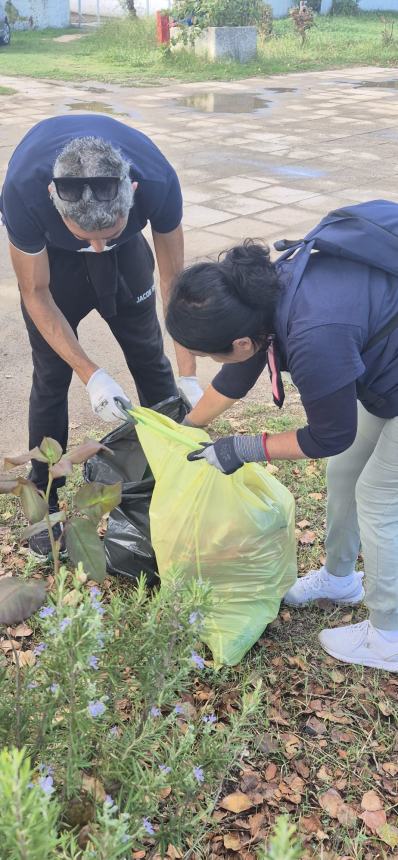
231,452
102,390
190,388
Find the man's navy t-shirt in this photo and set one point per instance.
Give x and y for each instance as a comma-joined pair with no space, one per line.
30,217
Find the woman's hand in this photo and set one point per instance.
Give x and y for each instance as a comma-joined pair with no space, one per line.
231,452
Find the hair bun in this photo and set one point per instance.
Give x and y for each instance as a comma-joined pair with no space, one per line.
248,267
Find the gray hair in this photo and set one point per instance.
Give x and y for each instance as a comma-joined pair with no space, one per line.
92,156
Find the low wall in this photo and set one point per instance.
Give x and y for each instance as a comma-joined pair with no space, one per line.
26,13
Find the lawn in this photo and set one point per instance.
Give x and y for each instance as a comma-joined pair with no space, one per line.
126,52
320,745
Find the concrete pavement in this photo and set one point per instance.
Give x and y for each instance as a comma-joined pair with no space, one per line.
260,158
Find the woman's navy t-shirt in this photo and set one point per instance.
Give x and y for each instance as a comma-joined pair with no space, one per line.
338,307
30,217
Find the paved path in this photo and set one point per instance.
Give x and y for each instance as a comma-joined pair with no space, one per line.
248,167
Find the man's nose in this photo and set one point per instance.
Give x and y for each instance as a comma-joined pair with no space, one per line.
98,245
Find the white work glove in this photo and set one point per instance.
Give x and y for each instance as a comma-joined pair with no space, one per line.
190,388
102,390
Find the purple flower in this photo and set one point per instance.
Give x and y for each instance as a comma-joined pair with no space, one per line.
155,712
164,768
95,591
64,624
39,648
96,709
45,768
46,612
194,617
114,731
211,718
54,688
32,685
197,660
47,784
148,826
93,662
178,709
108,800
100,641
97,605
198,774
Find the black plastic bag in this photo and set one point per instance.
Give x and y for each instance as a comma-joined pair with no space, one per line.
127,541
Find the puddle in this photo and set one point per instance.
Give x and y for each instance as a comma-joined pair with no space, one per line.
384,85
94,107
225,102
305,172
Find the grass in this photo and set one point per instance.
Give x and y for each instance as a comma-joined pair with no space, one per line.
322,725
126,52
7,91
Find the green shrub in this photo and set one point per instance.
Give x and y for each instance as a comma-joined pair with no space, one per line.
115,751
221,13
345,7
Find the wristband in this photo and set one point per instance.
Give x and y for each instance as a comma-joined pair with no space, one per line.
266,452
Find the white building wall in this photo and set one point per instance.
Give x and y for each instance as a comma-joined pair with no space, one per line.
379,5
44,13
114,8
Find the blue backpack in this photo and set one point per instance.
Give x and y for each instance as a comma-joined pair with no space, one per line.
366,233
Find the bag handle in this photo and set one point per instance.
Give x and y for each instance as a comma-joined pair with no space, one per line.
149,420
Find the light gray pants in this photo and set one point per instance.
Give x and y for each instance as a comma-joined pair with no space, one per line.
363,511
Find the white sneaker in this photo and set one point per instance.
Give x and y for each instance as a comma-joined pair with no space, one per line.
319,584
361,644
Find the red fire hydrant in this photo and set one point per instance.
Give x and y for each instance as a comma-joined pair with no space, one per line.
162,28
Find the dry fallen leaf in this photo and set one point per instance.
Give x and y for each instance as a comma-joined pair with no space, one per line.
6,645
94,787
231,842
371,801
173,852
72,598
330,801
316,496
20,631
310,824
256,821
385,709
373,820
390,767
25,658
337,676
389,835
270,772
307,538
303,524
236,802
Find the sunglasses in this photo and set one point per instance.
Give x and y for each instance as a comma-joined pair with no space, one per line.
103,188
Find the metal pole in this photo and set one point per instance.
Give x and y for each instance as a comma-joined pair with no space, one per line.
79,12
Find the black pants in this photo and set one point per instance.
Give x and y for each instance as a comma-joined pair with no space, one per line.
135,327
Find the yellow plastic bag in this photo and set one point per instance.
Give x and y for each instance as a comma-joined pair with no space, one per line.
236,531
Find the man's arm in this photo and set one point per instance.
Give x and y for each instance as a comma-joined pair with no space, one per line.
169,248
33,274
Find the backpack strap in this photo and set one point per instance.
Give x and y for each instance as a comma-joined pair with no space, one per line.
384,332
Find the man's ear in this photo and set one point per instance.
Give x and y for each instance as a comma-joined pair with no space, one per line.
134,186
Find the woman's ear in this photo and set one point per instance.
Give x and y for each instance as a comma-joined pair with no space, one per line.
243,344
243,348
